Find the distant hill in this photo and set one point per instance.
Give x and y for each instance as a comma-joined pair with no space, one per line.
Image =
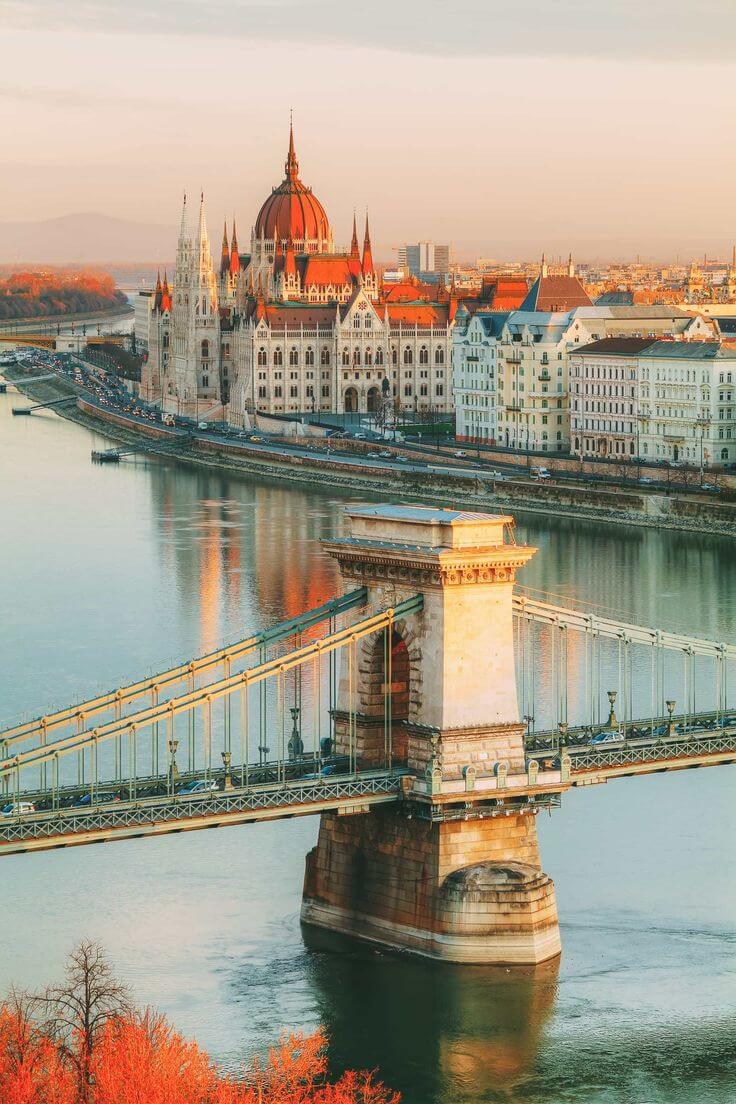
87,238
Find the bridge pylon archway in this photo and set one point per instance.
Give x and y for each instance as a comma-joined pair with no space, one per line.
435,695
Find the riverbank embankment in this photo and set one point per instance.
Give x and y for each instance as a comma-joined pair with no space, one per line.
680,513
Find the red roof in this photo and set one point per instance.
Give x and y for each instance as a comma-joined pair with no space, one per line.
406,292
325,269
556,293
279,315
419,314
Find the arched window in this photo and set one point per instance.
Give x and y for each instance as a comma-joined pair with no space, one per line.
408,355
394,355
439,355
424,355
379,356
166,341
325,355
356,356
346,356
356,322
205,349
368,322
368,356
293,356
309,355
724,454
278,357
262,357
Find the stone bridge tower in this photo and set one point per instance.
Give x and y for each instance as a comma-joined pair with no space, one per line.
454,871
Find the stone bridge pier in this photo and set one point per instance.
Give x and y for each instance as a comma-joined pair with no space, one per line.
445,873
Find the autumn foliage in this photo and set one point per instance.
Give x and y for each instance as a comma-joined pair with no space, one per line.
82,1043
46,293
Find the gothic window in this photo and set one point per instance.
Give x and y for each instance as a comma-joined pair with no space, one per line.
368,322
439,390
368,356
356,356
408,355
394,355
262,356
293,355
166,341
309,355
293,392
356,322
205,349
261,391
439,356
205,381
346,356
424,355
325,356
278,356
277,391
379,356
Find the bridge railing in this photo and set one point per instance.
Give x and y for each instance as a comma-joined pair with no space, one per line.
271,721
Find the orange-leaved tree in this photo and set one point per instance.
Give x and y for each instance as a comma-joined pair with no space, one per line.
32,1070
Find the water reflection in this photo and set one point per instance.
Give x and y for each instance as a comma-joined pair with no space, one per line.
439,1032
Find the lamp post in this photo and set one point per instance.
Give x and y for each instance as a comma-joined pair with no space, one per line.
173,769
295,745
670,709
561,734
612,720
226,761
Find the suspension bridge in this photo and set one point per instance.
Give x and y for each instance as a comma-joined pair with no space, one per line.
428,713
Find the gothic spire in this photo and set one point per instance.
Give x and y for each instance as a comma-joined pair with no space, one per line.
367,265
354,248
234,255
225,255
184,228
292,165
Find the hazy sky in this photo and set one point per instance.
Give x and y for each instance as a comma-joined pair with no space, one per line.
506,128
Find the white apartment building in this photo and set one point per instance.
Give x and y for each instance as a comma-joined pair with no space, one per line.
658,400
519,361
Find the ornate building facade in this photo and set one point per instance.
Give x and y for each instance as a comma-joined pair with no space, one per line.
295,325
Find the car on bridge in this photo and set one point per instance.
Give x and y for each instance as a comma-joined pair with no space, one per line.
17,808
102,797
607,736
198,786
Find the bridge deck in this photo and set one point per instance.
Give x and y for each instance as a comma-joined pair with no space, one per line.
161,815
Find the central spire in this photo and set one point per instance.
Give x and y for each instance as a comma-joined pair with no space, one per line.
291,165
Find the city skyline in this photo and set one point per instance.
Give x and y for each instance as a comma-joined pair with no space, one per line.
440,137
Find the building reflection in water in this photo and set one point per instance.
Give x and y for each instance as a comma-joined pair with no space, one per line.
435,1031
244,554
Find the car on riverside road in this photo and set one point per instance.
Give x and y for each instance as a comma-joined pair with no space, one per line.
198,786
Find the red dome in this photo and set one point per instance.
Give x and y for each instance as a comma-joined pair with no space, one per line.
292,211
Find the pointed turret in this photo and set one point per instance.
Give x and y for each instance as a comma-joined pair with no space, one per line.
570,266
166,298
354,247
157,291
292,165
225,253
234,255
367,265
184,228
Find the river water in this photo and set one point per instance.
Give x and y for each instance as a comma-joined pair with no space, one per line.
109,571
